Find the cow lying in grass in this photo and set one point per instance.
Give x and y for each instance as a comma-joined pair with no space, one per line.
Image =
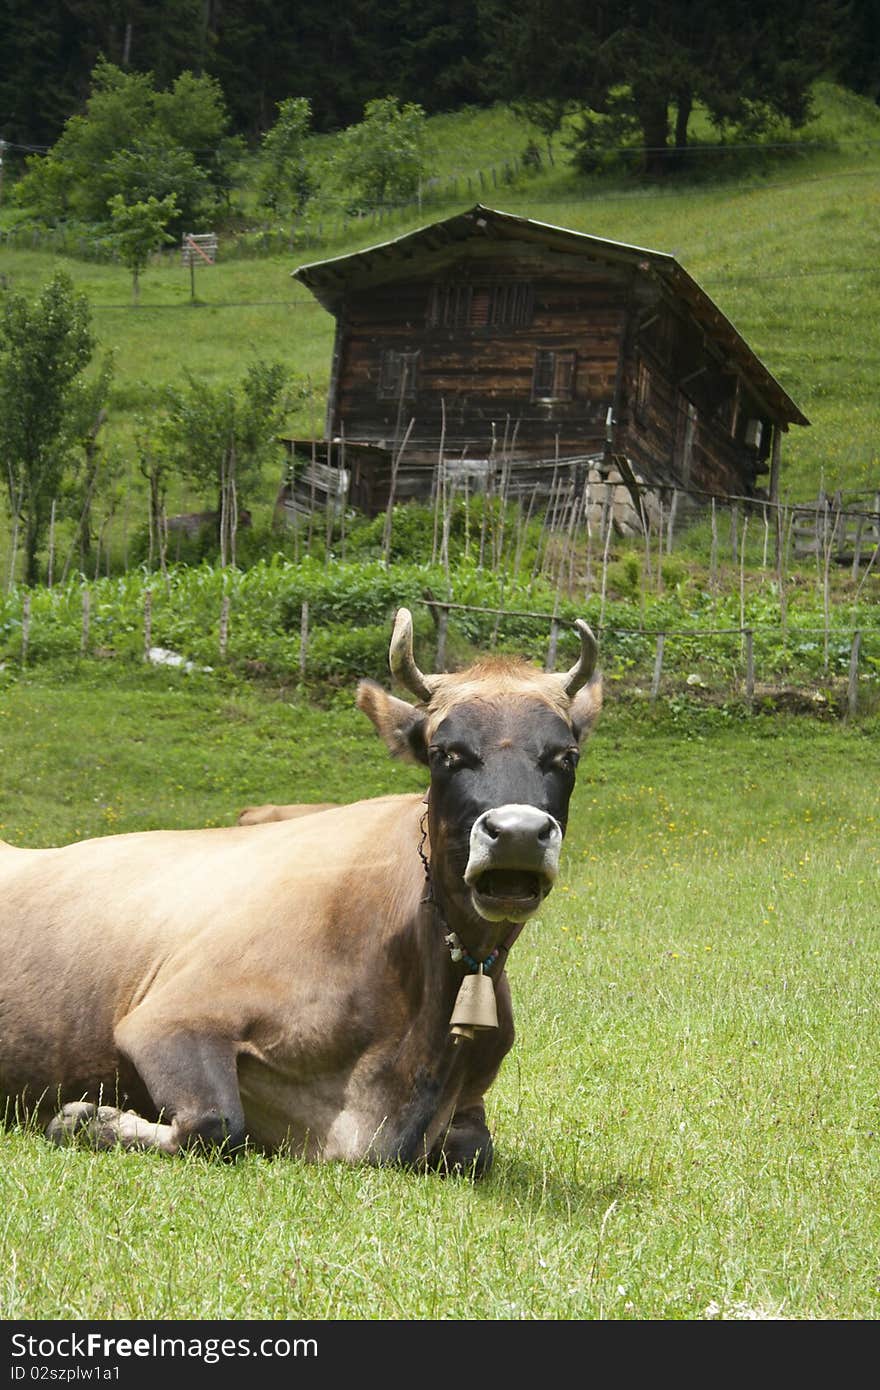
292,989
263,815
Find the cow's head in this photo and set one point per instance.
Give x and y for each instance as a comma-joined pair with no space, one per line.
502,742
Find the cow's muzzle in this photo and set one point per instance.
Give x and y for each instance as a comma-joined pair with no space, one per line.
513,861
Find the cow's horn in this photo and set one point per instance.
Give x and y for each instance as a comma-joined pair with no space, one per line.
402,661
586,663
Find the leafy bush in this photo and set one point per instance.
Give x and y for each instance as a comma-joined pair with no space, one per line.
351,605
138,142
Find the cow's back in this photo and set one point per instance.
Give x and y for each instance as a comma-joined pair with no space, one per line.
87,931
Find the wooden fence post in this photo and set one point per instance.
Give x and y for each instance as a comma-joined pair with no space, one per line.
51,562
853,690
442,627
658,666
550,663
780,566
857,548
224,626
148,622
749,636
25,627
303,638
86,617
494,638
673,508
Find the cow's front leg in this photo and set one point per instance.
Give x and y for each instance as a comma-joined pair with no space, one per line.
105,1126
193,1083
465,1150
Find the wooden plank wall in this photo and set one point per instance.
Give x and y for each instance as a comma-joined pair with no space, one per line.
483,378
475,385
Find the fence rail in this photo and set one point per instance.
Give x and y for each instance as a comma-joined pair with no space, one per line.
857,667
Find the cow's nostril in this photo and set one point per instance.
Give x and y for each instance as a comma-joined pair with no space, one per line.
548,829
491,827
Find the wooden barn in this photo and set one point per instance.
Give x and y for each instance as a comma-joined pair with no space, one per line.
502,343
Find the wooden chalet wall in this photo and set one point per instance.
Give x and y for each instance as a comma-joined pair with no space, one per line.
483,377
683,409
504,339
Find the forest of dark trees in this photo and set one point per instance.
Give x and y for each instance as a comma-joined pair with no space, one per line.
442,54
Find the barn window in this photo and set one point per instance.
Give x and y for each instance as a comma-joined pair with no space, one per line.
554,374
398,373
503,304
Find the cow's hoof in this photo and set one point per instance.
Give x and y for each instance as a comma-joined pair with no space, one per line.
464,1155
82,1122
71,1121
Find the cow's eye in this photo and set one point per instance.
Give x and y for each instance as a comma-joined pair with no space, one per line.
449,759
565,759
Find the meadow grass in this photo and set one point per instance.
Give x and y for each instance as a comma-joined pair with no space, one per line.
688,1125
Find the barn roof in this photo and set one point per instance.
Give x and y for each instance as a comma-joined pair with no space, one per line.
332,279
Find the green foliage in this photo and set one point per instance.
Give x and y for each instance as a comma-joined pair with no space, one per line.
154,168
135,142
139,229
384,158
94,470
286,182
220,436
625,576
44,402
350,608
748,65
192,112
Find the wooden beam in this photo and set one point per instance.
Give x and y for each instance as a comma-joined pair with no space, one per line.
774,463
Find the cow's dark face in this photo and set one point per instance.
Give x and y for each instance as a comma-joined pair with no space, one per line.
502,743
502,773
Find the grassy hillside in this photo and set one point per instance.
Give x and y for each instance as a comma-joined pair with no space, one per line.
785,241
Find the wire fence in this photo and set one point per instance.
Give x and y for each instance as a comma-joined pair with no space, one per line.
835,667
318,225
324,223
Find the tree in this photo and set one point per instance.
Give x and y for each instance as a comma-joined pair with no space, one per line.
137,142
48,51
858,47
155,466
45,348
628,68
384,158
88,465
286,182
139,229
339,56
221,436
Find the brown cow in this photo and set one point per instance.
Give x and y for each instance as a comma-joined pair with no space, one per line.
292,990
263,815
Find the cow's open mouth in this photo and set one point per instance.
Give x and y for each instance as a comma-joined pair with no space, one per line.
514,893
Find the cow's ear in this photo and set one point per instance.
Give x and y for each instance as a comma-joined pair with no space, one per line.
586,708
401,725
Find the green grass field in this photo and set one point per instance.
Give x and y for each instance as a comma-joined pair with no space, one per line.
688,1126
